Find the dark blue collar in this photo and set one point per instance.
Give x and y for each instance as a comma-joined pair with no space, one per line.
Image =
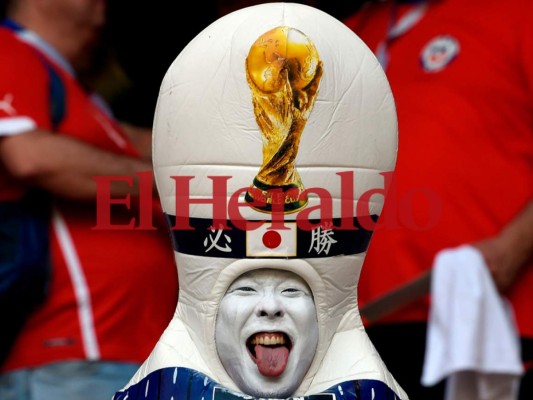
10,24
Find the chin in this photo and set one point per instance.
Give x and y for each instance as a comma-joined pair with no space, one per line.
269,388
271,393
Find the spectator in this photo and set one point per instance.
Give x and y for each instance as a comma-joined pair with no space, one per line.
209,165
93,330
462,77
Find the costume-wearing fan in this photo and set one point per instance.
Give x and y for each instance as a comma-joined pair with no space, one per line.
275,116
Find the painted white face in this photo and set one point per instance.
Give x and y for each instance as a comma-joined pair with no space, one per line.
267,332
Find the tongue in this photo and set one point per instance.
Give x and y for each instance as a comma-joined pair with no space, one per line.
271,361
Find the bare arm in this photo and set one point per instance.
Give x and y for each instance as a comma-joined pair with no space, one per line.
65,166
509,252
141,138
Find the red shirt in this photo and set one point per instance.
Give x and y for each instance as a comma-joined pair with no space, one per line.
462,79
113,292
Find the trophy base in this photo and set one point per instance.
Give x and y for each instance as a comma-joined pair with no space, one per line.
267,198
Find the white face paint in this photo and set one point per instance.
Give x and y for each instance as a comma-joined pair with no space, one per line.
267,332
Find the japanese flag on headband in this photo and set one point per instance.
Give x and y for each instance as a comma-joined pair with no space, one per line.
268,241
274,135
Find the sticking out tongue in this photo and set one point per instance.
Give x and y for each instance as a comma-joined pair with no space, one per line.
271,361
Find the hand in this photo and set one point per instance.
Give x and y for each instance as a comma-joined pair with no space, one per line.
501,262
512,249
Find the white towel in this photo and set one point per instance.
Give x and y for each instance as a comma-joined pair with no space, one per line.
472,338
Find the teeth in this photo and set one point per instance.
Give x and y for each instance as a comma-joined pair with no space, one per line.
268,340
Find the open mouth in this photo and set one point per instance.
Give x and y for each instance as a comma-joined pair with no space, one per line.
270,352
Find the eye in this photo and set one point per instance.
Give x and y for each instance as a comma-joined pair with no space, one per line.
291,292
247,289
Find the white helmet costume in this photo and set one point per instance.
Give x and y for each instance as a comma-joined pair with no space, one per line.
273,128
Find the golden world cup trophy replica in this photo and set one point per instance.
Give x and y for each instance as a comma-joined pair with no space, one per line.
283,70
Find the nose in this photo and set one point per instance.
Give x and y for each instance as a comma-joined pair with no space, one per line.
269,307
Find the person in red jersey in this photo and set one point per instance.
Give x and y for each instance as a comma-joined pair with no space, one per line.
94,327
461,74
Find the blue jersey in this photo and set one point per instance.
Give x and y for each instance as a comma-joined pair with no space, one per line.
187,384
